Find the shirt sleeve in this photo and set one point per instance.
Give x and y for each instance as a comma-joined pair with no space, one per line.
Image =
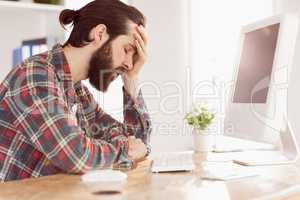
52,129
136,118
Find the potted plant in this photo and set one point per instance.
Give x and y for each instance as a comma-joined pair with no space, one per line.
200,119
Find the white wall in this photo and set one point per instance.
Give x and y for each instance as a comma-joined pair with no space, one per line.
76,4
216,28
282,7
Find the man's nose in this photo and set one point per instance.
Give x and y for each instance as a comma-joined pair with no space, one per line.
128,64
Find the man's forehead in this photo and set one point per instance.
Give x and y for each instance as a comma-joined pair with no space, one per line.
132,28
129,38
131,31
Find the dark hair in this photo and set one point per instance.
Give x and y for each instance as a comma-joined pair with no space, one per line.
112,13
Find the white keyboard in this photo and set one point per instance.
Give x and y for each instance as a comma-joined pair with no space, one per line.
231,144
255,158
225,171
173,161
251,158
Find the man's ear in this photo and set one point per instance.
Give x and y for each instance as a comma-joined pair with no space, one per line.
99,34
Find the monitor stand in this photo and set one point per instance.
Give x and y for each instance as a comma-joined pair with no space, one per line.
288,154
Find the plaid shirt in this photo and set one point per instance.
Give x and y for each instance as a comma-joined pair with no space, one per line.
49,125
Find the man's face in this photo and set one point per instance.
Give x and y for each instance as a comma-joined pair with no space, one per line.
112,59
101,72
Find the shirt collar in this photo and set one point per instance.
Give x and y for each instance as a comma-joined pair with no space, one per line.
62,68
59,61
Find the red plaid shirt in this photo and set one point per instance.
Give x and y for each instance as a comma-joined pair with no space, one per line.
49,125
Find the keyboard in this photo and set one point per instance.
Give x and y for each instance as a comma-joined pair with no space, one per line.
231,144
173,161
225,171
255,158
251,158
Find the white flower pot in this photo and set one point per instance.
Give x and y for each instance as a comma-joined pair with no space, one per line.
203,142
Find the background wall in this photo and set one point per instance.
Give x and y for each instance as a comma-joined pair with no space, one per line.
282,7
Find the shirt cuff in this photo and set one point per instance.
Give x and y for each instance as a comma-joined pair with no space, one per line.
137,103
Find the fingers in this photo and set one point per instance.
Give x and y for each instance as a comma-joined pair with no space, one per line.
140,56
139,140
134,140
131,141
140,41
143,34
140,159
142,37
137,149
140,50
131,137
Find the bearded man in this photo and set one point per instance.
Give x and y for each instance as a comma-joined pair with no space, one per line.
49,121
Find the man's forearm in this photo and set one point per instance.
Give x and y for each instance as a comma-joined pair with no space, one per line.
136,117
131,85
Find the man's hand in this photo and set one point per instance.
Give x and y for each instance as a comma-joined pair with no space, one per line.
130,78
139,58
137,149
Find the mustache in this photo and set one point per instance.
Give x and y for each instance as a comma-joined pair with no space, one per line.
119,71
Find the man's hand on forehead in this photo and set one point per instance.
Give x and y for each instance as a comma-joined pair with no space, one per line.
142,33
141,36
130,77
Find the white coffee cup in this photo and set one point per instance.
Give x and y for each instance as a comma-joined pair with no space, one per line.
104,180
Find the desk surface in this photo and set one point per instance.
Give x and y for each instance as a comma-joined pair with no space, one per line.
145,185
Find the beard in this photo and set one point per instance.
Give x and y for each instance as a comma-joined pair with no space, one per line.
101,72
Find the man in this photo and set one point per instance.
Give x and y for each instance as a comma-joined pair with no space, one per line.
49,121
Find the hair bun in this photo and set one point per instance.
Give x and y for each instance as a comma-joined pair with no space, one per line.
67,16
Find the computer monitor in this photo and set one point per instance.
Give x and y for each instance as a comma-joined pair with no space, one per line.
258,96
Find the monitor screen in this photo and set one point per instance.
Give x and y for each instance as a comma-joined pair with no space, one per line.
255,66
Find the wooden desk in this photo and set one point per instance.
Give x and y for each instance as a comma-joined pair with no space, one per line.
166,186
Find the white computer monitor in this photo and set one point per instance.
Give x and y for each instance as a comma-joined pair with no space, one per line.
258,96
